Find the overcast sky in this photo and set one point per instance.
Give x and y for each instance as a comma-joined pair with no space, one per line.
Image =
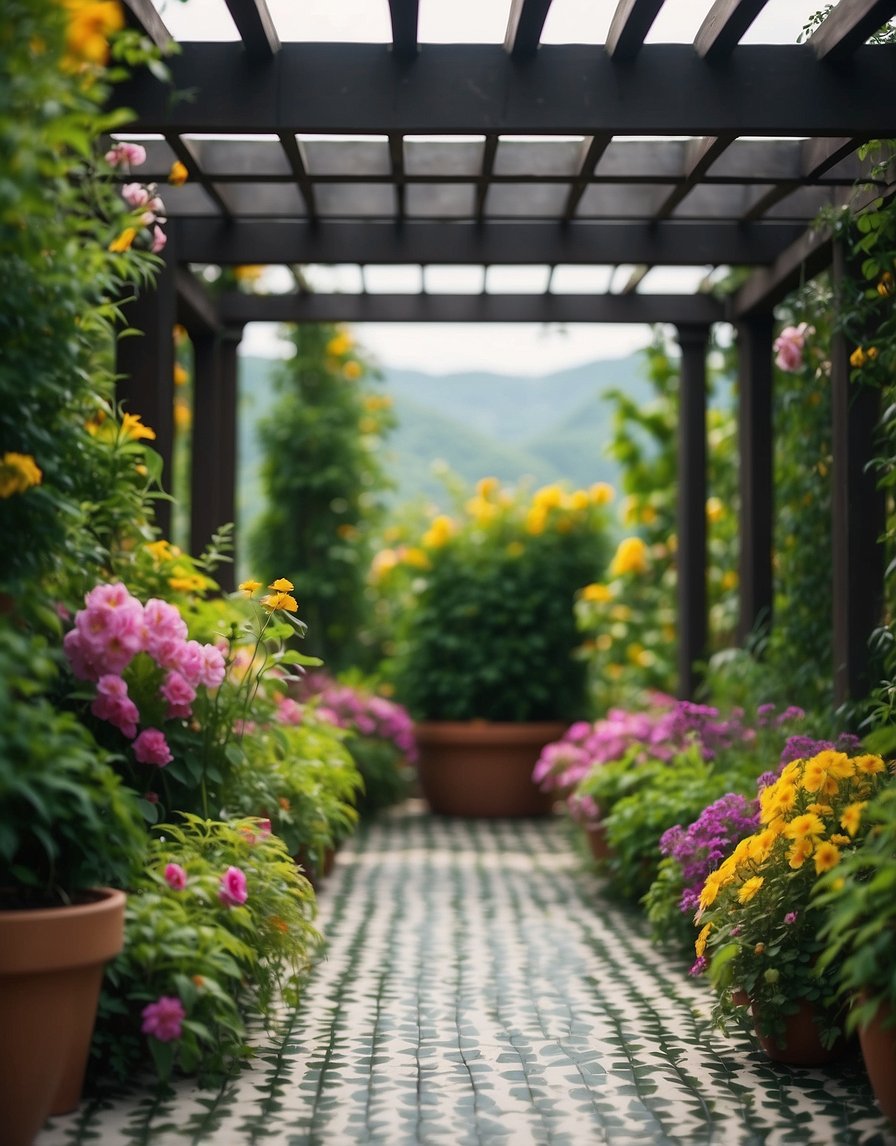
444,348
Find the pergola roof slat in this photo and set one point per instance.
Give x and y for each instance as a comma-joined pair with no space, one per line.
848,26
724,25
631,23
143,15
404,15
524,27
255,26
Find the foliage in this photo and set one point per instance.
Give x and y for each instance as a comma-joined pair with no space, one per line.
759,926
323,484
858,899
219,926
629,621
485,622
66,821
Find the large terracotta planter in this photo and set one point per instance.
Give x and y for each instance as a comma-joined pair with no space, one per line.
51,970
482,768
802,1045
878,1042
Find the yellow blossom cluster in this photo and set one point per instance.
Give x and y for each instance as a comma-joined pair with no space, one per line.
280,596
90,24
18,472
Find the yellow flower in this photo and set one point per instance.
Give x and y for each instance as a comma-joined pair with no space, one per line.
178,174
133,430
750,888
869,765
181,375
91,22
18,472
161,550
415,557
858,358
804,827
536,520
188,583
248,273
639,656
339,345
710,890
827,855
183,414
441,530
601,493
481,510
700,941
124,241
281,585
630,557
597,592
548,497
249,587
274,601
800,852
488,486
715,511
852,817
352,370
579,500
885,285
730,579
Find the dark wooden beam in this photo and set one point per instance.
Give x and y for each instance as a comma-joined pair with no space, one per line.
593,148
196,309
142,15
848,26
405,17
632,308
776,90
767,286
256,28
631,22
700,154
293,152
189,152
725,24
754,356
524,27
664,244
691,551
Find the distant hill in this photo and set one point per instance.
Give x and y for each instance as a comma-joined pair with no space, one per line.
552,427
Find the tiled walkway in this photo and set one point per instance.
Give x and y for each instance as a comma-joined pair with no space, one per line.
480,989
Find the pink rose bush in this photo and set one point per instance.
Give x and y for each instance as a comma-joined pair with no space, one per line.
118,643
789,347
233,891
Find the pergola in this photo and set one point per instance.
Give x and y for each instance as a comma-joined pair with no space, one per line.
648,155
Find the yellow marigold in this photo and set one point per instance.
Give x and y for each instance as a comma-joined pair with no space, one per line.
124,241
481,511
601,493
858,358
579,500
536,520
339,345
161,550
869,765
178,175
18,472
133,430
352,370
700,941
249,587
415,557
248,273
840,840
851,818
804,827
715,510
630,557
827,855
750,888
487,487
597,592
90,24
181,375
188,583
441,530
800,852
274,601
885,285
782,799
183,415
710,890
281,585
548,497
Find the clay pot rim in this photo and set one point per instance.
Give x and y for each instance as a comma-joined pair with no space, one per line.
460,731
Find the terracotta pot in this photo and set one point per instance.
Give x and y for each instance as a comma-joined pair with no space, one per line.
596,834
51,970
483,769
801,1045
878,1042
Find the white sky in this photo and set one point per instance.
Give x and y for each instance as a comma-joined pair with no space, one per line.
444,348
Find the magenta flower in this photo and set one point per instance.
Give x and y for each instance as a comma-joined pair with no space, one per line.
175,876
151,747
233,891
163,1018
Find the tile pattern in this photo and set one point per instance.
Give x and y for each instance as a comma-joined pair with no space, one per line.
480,988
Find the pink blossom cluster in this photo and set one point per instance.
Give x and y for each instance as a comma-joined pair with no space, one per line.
138,196
660,732
164,1018
110,633
364,713
789,347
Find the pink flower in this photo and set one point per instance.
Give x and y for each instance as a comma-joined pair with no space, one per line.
162,624
135,195
163,1018
233,888
159,239
288,711
180,695
131,153
264,826
213,668
75,648
151,747
175,876
113,704
789,347
191,662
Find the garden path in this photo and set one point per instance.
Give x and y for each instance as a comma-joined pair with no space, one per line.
479,989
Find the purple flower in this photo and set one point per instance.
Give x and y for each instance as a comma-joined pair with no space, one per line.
233,891
163,1018
790,917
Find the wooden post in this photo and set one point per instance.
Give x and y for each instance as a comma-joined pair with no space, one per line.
691,556
756,451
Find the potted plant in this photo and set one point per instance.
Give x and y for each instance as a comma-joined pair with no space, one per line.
71,837
486,644
760,926
860,942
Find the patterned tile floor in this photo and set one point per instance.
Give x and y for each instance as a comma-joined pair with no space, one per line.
479,989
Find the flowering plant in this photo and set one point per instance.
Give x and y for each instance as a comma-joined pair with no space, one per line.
179,707
487,628
759,928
